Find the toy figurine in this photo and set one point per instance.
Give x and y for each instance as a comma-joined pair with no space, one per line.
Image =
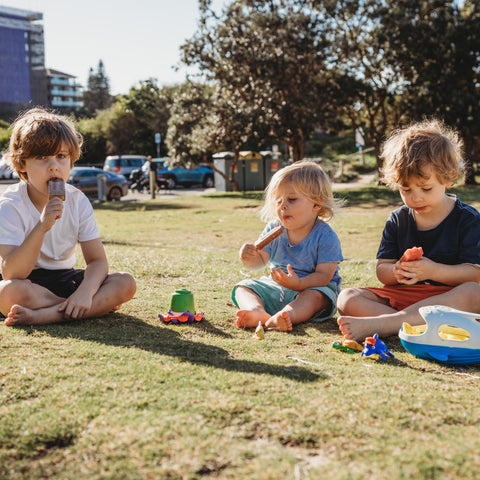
185,317
349,346
259,332
373,345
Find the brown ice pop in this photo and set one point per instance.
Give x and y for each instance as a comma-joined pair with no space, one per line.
56,188
269,237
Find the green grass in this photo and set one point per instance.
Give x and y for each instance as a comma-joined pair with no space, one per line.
127,397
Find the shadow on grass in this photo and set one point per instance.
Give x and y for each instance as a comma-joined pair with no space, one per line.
371,196
126,331
250,195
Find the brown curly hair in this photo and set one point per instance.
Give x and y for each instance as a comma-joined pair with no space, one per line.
41,132
429,143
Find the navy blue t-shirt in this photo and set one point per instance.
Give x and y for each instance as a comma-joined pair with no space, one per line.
455,240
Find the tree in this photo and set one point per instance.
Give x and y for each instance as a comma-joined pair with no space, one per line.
95,141
366,84
268,58
443,76
97,95
190,135
207,119
136,118
403,60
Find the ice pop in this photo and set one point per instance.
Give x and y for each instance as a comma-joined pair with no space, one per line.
56,188
269,237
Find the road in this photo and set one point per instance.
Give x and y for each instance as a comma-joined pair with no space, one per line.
164,194
179,192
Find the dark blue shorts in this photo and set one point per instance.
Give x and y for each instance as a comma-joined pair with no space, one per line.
61,282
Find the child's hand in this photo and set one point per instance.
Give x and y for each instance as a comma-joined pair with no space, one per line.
248,251
51,213
413,272
76,306
289,280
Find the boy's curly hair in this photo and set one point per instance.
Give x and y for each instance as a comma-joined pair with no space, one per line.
428,143
307,178
41,132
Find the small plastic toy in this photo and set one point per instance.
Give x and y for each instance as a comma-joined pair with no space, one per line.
182,301
182,308
349,346
374,346
184,317
259,332
449,336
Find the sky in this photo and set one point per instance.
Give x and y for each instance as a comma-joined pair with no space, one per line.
136,40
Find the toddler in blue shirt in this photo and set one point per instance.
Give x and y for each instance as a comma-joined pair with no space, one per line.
304,282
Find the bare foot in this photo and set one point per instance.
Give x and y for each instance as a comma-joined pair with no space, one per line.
117,308
280,321
19,315
358,328
250,318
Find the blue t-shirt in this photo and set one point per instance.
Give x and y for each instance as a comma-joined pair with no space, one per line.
454,241
320,246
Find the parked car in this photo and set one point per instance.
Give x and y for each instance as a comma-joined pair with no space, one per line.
6,171
170,177
124,164
85,179
199,175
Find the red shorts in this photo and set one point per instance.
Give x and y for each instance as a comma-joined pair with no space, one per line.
402,296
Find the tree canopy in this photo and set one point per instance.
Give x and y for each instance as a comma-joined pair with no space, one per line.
97,94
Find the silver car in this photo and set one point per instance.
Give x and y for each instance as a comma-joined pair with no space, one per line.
124,164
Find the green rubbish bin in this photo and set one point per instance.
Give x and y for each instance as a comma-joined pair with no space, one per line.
253,170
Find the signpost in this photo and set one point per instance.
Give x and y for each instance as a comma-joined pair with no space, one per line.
158,139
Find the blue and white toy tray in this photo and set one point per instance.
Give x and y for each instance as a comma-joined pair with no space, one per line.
448,336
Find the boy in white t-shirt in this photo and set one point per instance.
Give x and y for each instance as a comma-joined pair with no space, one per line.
39,232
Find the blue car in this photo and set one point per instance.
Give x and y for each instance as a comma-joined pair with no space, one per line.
173,176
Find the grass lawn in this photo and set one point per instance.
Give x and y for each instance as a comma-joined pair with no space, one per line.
127,397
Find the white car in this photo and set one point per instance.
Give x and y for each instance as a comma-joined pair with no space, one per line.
6,171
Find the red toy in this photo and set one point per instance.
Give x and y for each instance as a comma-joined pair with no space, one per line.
184,317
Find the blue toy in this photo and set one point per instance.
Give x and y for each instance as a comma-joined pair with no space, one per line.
374,346
449,336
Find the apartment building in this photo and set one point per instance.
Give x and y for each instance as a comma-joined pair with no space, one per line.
24,80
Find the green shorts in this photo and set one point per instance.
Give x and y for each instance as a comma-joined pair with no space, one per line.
276,297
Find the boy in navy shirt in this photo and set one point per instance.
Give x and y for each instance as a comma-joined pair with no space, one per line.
422,161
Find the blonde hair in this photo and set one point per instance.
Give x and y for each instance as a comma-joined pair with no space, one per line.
308,179
41,132
429,143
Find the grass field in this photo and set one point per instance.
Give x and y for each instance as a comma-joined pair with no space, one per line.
127,397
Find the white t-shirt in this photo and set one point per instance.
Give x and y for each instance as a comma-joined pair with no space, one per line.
18,217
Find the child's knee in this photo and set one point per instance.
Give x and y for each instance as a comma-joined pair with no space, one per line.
470,291
14,291
127,285
347,297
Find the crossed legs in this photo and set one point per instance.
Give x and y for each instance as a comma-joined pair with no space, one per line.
26,303
302,308
363,313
